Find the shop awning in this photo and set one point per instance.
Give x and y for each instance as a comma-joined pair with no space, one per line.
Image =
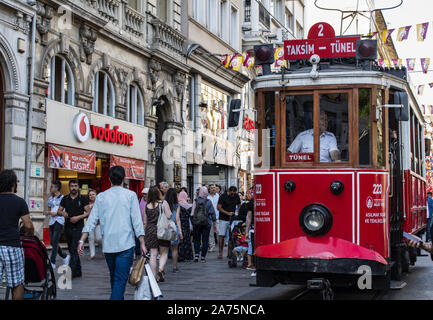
67,158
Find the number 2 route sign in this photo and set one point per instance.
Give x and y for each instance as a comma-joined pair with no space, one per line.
321,41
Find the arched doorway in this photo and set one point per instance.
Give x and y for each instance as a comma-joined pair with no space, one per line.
2,118
163,115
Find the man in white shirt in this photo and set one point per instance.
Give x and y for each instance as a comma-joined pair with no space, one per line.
213,197
56,223
304,142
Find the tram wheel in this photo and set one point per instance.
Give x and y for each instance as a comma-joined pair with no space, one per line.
405,260
412,255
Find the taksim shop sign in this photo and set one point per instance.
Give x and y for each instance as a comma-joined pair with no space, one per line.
83,129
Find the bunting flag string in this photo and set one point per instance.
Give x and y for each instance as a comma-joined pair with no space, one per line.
402,33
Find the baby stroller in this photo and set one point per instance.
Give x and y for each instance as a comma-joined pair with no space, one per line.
237,229
39,278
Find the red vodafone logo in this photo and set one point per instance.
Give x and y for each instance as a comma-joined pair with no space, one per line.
81,127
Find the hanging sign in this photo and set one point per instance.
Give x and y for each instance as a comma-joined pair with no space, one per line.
67,158
321,41
134,169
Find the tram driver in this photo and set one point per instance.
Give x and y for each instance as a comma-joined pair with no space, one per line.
304,142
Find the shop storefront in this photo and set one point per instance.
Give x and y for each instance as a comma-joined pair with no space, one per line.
83,145
218,157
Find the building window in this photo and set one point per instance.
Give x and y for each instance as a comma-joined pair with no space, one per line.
103,94
288,20
234,28
135,105
247,12
264,16
224,5
162,10
61,87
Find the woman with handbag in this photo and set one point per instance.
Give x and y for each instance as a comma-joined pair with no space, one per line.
185,247
154,208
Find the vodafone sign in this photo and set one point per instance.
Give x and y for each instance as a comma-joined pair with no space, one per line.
82,130
86,130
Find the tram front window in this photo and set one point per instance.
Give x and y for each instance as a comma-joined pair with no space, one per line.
299,128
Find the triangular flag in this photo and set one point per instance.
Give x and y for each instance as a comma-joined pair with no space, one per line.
420,89
431,84
397,63
386,34
425,62
423,109
431,109
371,34
403,33
410,64
250,62
236,62
421,31
228,61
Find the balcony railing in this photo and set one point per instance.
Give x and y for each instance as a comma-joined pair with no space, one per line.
165,37
133,21
264,16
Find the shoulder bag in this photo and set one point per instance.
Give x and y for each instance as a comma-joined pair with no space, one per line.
166,228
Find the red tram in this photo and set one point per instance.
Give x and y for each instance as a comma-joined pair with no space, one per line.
341,172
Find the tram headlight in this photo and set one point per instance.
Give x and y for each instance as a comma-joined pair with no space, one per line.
315,219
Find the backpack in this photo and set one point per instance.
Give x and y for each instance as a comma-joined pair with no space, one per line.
200,217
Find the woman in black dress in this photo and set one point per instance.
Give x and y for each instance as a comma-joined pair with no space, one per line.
185,247
150,221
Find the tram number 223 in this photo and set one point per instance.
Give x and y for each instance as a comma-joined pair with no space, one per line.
377,188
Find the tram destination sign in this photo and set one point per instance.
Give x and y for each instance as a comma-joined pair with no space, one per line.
321,41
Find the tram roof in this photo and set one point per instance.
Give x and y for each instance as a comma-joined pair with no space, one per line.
340,75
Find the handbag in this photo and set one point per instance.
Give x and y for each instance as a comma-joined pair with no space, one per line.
137,271
166,228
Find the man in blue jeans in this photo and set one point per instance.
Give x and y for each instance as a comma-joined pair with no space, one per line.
118,211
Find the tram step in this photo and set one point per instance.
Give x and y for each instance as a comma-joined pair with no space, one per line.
397,285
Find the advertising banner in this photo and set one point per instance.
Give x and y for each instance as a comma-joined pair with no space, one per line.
67,158
134,169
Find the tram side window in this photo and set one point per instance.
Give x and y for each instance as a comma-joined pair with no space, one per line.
299,128
379,124
269,115
364,126
334,127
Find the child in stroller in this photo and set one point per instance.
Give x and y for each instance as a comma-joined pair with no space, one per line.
39,278
239,244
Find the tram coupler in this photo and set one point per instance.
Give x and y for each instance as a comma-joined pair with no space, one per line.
323,285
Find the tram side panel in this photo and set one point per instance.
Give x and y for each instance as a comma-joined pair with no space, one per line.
415,203
373,213
314,187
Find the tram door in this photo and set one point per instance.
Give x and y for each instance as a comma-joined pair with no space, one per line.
395,196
